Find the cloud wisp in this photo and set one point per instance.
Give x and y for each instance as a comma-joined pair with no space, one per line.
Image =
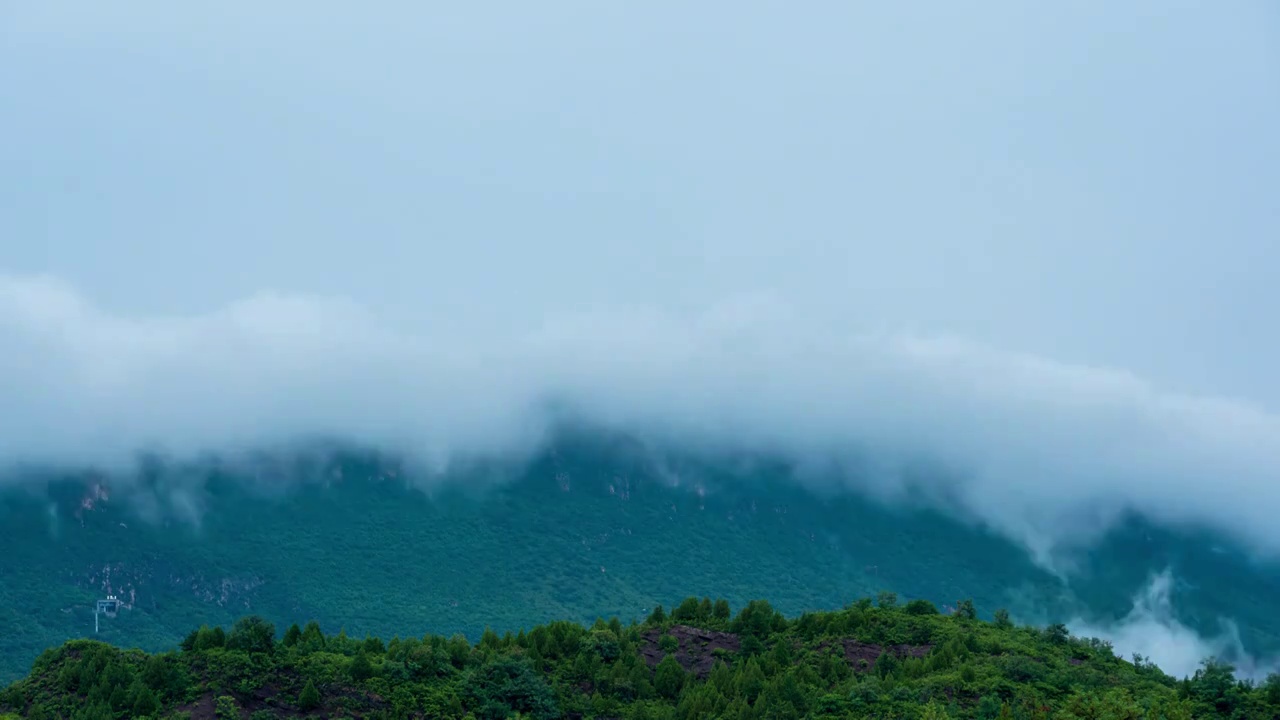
1152,630
1045,452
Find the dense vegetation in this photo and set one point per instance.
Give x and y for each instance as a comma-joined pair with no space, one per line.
868,660
592,527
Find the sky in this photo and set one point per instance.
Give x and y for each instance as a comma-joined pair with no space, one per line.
1036,244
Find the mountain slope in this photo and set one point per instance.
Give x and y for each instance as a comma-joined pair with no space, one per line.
593,526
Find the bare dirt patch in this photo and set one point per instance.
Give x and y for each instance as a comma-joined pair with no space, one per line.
696,651
863,656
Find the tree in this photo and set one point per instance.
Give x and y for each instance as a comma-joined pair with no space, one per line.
704,609
506,686
292,636
1057,633
934,711
686,611
669,678
720,610
1271,690
965,610
145,703
887,664
312,639
1002,619
208,638
887,599
360,669
658,616
758,618
160,675
225,708
119,698
374,645
606,645
459,650
921,607
668,643
309,698
252,634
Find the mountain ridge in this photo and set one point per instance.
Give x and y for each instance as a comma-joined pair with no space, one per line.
594,525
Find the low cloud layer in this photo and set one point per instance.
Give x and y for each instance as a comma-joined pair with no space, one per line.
1045,452
1152,630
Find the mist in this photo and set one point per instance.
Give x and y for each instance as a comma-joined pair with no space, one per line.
1151,630
1031,249
1045,452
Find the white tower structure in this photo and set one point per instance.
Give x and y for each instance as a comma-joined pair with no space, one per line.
108,607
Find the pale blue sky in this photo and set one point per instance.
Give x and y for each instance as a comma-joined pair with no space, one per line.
1095,182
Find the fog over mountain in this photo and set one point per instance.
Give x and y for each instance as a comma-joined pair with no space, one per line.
1042,450
1020,258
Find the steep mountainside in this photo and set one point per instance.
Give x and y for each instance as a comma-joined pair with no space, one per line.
593,526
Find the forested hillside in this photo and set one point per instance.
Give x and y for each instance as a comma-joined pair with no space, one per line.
592,527
878,660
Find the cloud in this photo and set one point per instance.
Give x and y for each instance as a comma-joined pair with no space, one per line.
1046,452
1151,629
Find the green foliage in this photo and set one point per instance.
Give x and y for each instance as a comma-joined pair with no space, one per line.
306,553
815,666
252,634
921,607
1002,619
309,698
687,611
658,616
668,643
360,669
720,610
669,678
226,708
507,685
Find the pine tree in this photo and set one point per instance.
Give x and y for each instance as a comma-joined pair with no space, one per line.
669,678
686,611
934,711
704,609
312,639
145,703
360,668
720,610
292,635
309,698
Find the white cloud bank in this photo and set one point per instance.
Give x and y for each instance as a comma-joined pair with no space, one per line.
1043,451
1152,630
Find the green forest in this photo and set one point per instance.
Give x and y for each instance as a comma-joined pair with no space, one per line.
871,659
592,527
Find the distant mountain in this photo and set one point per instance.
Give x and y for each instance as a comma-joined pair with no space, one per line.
595,524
